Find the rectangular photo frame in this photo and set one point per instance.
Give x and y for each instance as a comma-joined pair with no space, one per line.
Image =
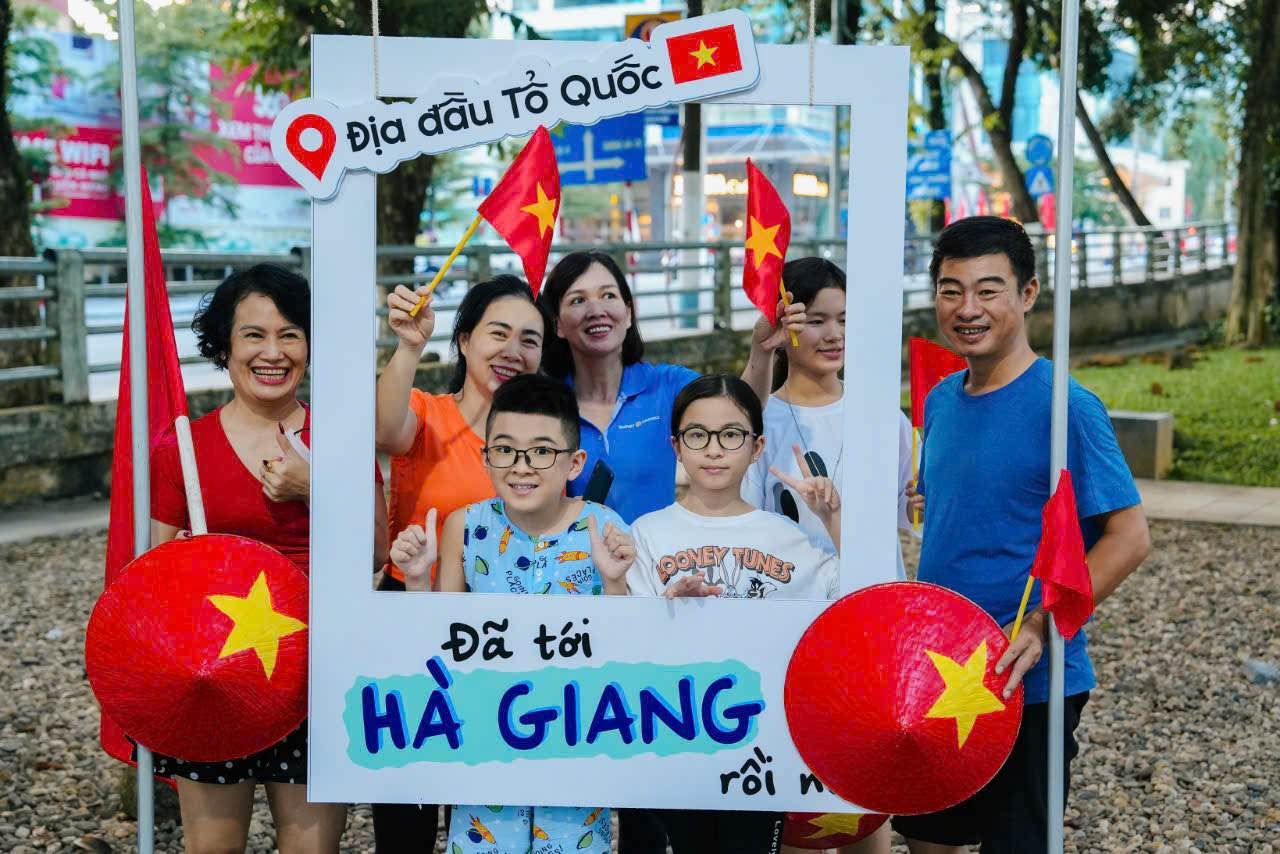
382,665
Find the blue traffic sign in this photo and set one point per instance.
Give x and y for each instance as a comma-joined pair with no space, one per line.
481,186
664,116
610,150
1039,181
1039,150
929,167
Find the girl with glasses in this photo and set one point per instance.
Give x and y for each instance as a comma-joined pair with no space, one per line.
713,543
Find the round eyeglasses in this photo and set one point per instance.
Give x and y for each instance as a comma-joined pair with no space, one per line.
729,438
538,457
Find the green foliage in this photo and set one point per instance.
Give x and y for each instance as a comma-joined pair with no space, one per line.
1226,426
34,66
175,44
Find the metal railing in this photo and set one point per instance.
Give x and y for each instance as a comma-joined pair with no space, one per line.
679,288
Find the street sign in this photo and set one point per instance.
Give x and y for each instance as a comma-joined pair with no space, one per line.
1039,150
610,150
929,167
664,116
1039,181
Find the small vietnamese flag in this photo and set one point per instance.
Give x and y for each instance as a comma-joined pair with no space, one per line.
1066,590
930,364
704,53
768,236
524,205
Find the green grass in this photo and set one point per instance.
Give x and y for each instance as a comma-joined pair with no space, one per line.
1226,425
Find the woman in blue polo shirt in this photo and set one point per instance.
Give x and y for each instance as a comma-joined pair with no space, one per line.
625,402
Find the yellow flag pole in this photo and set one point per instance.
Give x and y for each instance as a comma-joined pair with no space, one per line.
448,262
1022,608
915,475
786,302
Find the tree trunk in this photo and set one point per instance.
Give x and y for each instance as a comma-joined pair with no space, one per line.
1118,185
1258,259
15,239
937,114
1024,207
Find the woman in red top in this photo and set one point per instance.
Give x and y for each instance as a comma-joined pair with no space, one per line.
256,484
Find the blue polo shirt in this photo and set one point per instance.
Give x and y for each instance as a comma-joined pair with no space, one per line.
984,472
637,445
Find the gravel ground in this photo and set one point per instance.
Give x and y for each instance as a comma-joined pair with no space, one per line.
1180,751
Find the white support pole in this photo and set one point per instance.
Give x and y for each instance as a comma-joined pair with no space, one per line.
136,293
1061,355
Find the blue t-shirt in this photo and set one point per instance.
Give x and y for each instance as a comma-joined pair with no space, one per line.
499,557
637,445
984,472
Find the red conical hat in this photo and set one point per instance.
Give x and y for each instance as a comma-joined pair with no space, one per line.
821,830
198,649
893,701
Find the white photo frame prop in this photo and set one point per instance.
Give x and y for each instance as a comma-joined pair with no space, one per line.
677,703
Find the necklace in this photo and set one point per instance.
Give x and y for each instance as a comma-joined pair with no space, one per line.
816,463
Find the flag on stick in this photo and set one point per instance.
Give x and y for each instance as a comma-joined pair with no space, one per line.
524,205
930,364
166,400
768,236
522,208
1066,590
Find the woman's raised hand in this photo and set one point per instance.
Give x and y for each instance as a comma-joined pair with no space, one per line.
791,320
412,331
288,476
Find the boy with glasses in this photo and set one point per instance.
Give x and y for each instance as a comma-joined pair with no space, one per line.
532,538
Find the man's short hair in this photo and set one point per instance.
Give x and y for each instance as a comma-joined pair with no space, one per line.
977,236
534,394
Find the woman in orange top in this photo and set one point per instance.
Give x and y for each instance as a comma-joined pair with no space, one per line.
434,439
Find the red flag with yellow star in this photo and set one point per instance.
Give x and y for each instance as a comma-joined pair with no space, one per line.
1066,589
524,205
768,229
704,53
893,701
198,649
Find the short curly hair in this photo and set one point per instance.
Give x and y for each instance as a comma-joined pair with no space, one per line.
213,319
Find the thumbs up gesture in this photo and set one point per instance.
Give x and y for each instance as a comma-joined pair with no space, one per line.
414,551
613,552
286,477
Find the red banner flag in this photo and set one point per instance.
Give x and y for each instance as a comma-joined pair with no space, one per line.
166,400
1066,590
524,205
768,236
705,53
930,364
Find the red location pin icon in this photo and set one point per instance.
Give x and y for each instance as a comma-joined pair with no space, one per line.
311,139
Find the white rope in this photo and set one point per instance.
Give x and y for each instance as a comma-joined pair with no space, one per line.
377,76
813,19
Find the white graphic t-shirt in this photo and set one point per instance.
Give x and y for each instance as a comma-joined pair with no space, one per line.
758,555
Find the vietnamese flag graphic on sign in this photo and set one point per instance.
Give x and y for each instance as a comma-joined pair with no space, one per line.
704,53
768,236
524,205
930,364
1066,589
919,722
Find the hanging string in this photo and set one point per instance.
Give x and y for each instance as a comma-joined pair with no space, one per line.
813,25
377,31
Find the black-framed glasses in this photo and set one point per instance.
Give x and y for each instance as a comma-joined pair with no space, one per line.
729,438
538,457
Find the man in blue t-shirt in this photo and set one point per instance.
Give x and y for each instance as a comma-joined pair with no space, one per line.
985,471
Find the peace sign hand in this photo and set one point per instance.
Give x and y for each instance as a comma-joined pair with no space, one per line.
612,552
819,493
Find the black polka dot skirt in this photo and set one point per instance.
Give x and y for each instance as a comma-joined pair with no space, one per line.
283,762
